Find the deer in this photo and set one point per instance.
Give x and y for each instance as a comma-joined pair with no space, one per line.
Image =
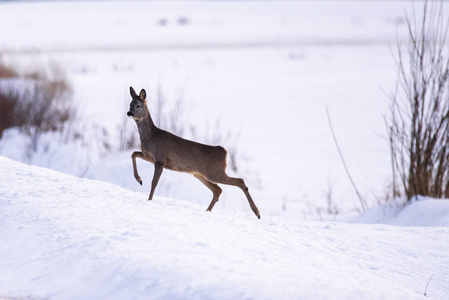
168,151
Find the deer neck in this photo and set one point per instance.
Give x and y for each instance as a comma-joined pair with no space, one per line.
146,127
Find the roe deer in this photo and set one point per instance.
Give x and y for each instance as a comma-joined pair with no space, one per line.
166,150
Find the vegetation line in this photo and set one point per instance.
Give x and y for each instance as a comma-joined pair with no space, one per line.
202,46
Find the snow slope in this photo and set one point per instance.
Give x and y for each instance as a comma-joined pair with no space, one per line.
424,211
63,237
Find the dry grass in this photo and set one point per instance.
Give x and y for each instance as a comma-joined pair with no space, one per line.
6,71
7,108
36,102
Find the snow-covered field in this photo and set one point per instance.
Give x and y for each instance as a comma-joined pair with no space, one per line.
64,237
267,71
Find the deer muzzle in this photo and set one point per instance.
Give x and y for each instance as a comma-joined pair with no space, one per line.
130,114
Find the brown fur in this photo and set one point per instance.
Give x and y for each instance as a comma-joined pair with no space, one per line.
166,150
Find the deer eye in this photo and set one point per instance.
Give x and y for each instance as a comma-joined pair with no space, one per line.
137,106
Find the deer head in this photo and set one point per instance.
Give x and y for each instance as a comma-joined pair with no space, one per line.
137,108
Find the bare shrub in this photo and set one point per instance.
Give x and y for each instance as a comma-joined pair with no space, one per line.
332,208
418,125
170,117
36,102
128,137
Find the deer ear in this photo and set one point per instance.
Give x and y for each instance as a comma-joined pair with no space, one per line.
132,92
143,95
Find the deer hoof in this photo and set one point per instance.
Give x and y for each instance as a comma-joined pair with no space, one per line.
258,217
140,182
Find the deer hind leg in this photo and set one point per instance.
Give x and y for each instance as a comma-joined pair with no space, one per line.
135,155
216,190
239,182
158,167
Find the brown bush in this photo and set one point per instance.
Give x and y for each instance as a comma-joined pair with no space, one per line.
36,102
5,70
7,107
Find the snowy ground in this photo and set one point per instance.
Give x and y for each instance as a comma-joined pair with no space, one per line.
265,69
64,237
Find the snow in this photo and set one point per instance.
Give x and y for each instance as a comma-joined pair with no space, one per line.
65,237
266,70
423,211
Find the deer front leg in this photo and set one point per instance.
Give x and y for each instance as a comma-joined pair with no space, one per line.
158,167
135,155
